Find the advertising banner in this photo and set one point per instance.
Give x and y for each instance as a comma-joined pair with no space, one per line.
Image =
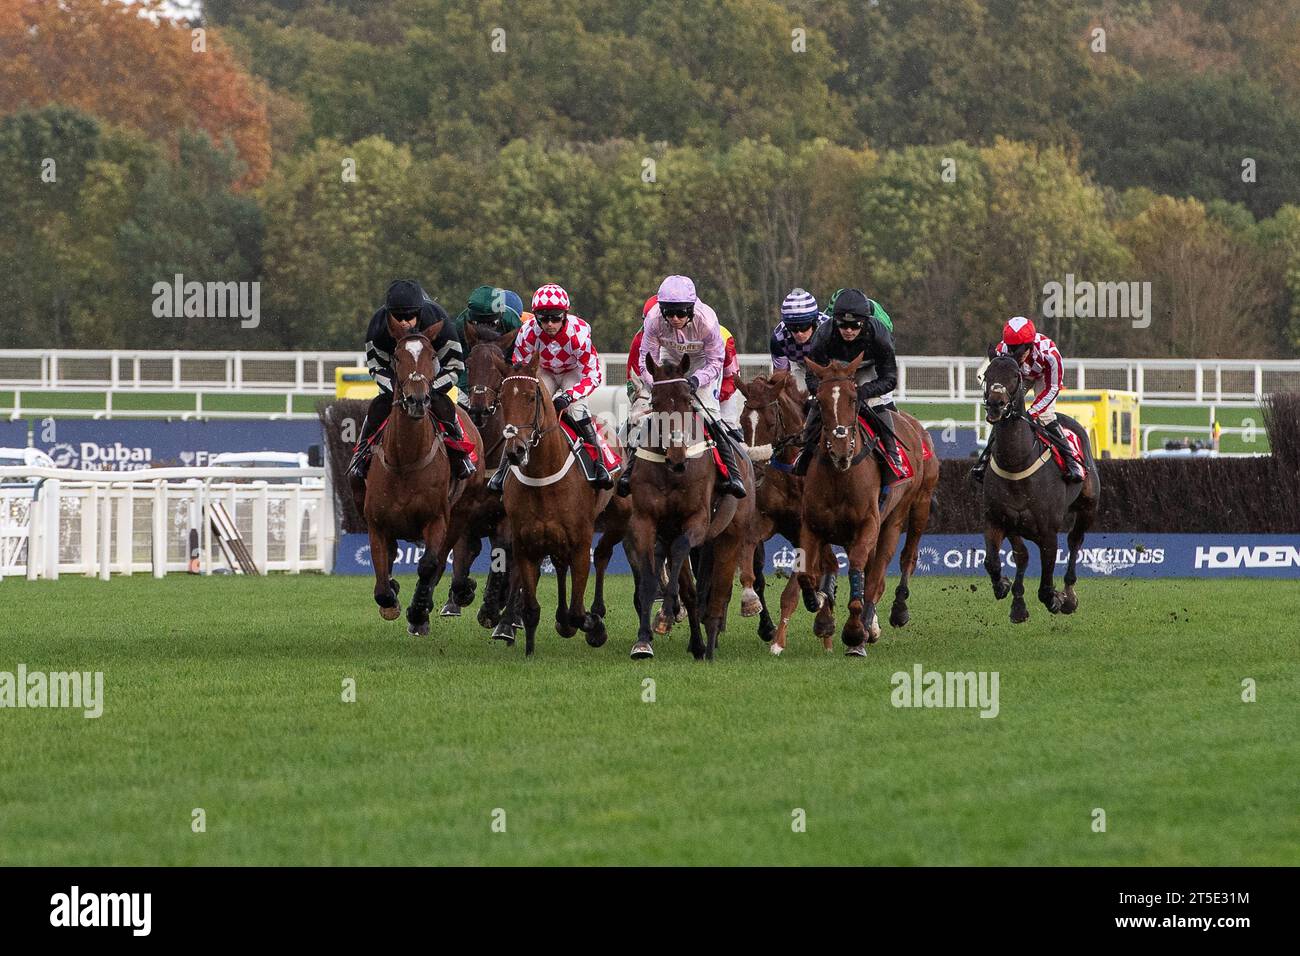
135,444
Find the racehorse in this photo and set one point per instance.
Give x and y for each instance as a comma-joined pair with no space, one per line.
550,506
772,423
487,515
484,512
1023,499
841,505
408,492
676,508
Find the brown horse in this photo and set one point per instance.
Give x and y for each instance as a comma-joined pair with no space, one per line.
409,495
484,513
1025,495
484,374
772,423
550,506
676,507
841,505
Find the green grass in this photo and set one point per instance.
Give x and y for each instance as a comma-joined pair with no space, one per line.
225,694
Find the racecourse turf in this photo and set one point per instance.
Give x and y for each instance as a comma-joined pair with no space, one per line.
225,694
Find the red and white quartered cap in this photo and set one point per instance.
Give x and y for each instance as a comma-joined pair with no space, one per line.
550,298
1018,331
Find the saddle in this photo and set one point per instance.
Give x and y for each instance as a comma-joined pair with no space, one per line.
1058,454
586,453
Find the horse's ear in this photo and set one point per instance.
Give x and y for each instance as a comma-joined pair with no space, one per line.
506,343
395,330
781,379
431,333
534,362
853,365
471,333
818,370
993,351
652,366
683,366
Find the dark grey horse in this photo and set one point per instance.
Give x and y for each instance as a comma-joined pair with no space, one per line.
1026,496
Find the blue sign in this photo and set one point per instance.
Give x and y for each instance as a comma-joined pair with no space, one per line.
135,444
1103,555
955,442
13,434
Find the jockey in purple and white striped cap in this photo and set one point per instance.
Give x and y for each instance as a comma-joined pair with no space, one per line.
793,335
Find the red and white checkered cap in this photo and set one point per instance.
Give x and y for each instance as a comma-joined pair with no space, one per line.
550,298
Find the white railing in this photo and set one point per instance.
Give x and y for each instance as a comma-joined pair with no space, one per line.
60,521
192,375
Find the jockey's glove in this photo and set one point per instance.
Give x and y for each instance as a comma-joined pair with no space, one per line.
693,382
562,401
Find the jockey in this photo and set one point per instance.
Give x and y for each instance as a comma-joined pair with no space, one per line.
856,328
1040,361
679,324
413,310
489,307
569,370
793,335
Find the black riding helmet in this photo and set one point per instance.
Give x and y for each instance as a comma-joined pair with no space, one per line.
404,297
852,307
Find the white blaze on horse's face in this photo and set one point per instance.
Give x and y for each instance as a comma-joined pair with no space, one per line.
415,347
753,428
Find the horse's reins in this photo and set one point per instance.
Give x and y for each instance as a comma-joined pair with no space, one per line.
842,431
1009,414
511,430
692,451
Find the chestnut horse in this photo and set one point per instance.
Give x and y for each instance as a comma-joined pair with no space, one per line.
550,507
841,505
484,513
1025,495
772,423
484,379
676,507
408,492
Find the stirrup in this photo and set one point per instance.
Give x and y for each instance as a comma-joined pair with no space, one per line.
497,483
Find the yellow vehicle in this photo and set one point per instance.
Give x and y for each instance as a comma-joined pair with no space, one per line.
357,383
1111,418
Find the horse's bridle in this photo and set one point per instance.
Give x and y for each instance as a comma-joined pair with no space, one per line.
1009,410
784,439
676,439
416,407
841,431
509,431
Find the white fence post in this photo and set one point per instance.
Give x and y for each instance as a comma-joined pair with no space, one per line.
259,526
50,533
160,528
105,532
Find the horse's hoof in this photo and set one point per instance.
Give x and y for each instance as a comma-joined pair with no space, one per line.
1001,589
899,616
1070,604
766,632
859,651
419,630
597,635
823,628
1019,613
450,609
853,636
873,629
750,605
812,600
663,624
776,649
390,613
1054,605
681,614
642,650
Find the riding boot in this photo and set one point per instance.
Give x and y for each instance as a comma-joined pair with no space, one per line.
600,477
359,466
1074,472
497,483
444,412
890,444
734,484
811,432
982,463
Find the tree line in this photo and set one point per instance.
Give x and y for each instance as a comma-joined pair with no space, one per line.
953,159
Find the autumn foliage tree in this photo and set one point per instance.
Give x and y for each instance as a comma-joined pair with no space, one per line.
133,66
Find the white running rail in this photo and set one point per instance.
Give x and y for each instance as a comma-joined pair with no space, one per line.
61,521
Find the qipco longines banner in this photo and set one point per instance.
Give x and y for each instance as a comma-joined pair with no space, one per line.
1103,555
119,445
